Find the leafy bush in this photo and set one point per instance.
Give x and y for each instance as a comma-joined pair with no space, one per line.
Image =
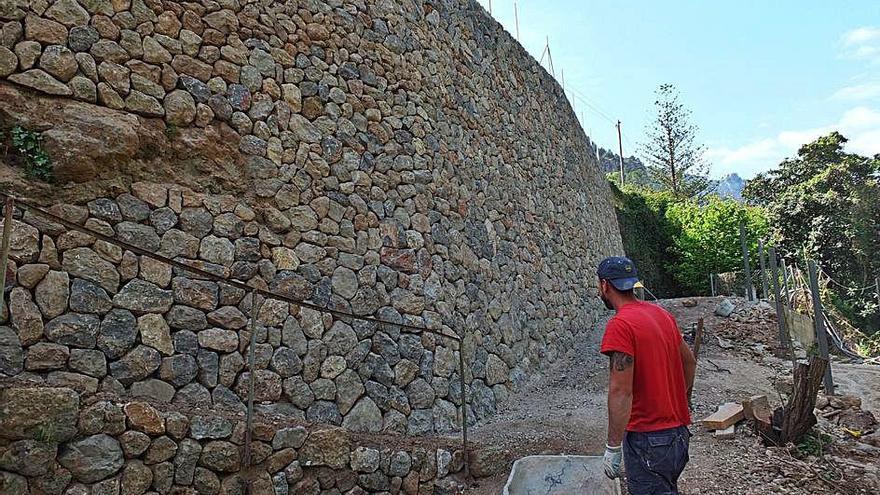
29,146
707,239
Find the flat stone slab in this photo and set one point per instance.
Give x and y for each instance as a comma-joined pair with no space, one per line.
560,475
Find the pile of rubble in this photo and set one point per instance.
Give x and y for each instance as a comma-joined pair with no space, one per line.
746,322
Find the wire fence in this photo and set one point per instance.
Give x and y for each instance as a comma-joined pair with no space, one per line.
11,203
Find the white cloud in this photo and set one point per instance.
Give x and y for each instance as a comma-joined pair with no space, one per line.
862,43
861,125
858,92
861,35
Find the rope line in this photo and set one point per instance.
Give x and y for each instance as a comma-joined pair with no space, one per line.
220,279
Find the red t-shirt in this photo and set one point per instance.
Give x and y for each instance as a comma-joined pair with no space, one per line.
650,335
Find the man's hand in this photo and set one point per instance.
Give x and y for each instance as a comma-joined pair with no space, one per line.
611,461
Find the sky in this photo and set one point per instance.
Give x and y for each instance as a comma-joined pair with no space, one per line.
761,77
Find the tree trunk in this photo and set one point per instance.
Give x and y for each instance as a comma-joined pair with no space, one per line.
798,417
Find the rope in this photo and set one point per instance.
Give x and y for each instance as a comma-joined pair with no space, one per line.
835,282
219,279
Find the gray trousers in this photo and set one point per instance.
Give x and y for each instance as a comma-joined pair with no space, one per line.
654,460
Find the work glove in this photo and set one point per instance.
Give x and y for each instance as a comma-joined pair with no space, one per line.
612,460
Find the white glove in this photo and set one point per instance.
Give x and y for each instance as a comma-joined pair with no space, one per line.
612,460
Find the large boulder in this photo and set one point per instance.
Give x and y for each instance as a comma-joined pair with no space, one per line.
92,458
46,414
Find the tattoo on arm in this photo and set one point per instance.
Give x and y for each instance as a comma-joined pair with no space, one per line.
620,361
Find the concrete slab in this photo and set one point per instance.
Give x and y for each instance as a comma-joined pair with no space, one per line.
560,475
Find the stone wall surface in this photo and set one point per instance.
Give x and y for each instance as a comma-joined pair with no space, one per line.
407,161
57,442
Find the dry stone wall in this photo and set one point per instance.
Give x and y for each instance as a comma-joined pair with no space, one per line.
408,161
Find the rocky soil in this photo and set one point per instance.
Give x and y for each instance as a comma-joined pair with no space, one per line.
564,412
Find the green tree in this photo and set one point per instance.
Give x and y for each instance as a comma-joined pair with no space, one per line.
674,157
707,239
825,203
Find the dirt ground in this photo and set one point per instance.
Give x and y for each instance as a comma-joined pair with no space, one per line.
563,412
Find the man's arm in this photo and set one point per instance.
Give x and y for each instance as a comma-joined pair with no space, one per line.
689,363
619,396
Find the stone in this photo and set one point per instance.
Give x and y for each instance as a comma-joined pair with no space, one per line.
344,282
138,235
74,330
138,364
134,443
267,385
52,294
364,417
217,250
13,483
364,460
220,456
28,457
143,297
286,362
136,478
102,417
59,62
180,108
161,450
218,339
210,427
143,104
86,297
199,294
83,89
11,352
144,417
92,458
227,317
87,264
68,12
81,38
117,333
152,389
328,447
41,81
292,437
188,453
25,316
725,308
89,362
154,332
179,369
420,393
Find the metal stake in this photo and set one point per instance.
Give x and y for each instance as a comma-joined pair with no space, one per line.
712,284
785,282
763,269
4,250
821,333
252,326
464,426
746,268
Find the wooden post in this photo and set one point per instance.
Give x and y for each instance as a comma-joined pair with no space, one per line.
785,283
877,281
819,321
784,338
746,268
763,269
620,147
698,339
4,250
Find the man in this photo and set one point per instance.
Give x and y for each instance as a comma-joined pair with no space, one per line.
652,373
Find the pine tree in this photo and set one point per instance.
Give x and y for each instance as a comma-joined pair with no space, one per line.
674,157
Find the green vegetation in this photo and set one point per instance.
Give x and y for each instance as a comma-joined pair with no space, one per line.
677,242
28,145
825,204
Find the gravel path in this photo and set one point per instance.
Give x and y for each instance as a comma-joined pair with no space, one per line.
563,411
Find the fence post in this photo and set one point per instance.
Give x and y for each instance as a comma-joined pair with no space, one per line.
785,282
780,310
4,256
255,309
763,269
464,420
712,284
819,320
746,267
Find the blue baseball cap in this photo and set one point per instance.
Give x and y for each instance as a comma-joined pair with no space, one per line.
620,271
